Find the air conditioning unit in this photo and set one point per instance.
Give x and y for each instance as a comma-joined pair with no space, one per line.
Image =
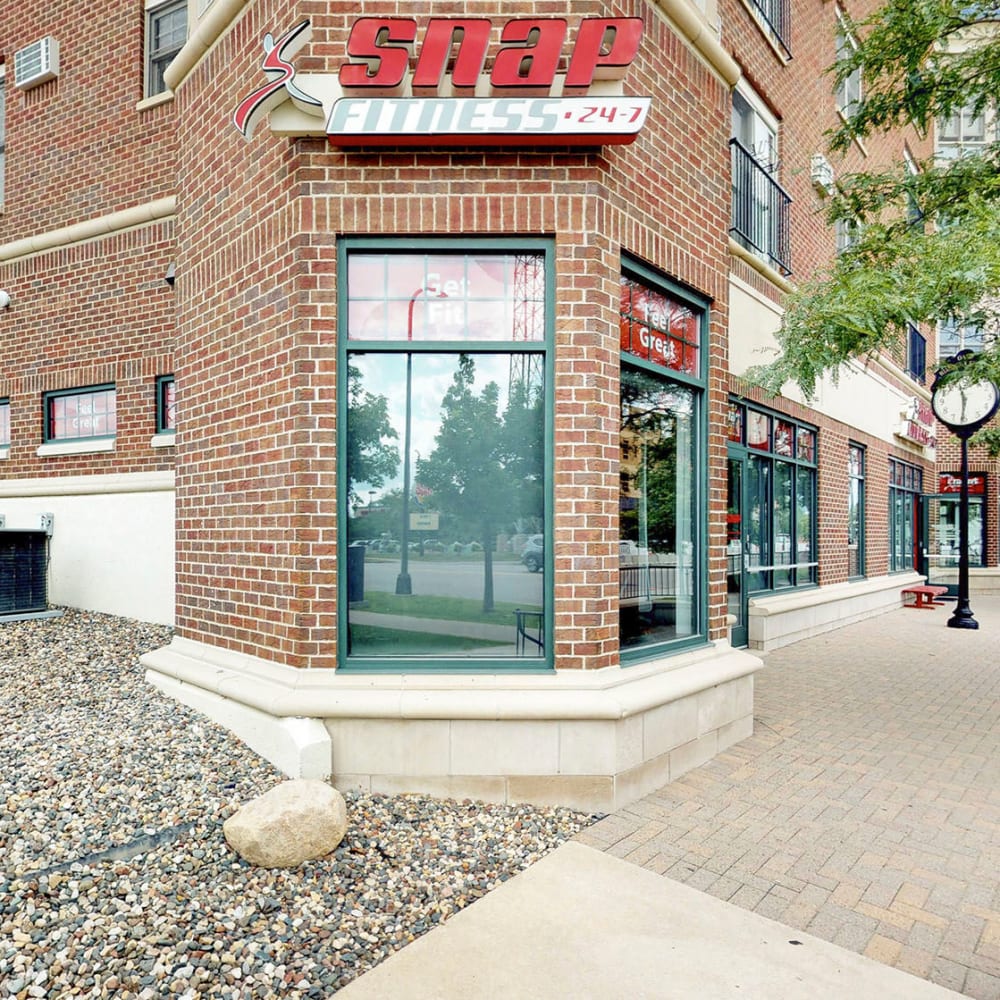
36,63
24,558
821,174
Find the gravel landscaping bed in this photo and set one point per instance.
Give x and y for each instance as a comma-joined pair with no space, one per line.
115,878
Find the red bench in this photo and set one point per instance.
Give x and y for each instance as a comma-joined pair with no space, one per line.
925,595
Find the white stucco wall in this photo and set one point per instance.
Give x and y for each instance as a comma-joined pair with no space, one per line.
861,396
112,547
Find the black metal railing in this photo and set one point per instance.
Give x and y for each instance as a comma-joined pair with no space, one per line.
777,16
760,209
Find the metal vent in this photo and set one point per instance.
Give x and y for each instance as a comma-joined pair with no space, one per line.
23,572
36,63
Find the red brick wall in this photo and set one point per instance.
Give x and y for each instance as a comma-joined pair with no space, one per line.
77,148
86,315
800,94
100,310
258,228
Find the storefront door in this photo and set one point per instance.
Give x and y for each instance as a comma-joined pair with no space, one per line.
939,530
736,546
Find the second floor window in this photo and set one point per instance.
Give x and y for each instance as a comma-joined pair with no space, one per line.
955,336
80,414
760,215
916,354
775,16
849,90
166,33
966,132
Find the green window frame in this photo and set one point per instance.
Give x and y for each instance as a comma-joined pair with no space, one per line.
856,470
782,498
166,405
80,414
906,483
663,524
445,428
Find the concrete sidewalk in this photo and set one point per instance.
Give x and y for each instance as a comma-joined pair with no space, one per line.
865,808
580,925
849,848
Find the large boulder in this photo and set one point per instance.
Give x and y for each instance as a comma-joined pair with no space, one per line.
295,821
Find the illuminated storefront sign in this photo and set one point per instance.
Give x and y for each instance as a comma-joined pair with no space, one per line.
917,424
448,99
951,482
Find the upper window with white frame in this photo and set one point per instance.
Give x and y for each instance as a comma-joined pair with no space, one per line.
955,335
849,90
760,211
166,33
775,18
966,132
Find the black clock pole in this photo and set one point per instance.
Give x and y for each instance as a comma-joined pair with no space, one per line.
962,615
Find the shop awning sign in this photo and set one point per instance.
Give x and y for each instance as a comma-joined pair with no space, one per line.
390,93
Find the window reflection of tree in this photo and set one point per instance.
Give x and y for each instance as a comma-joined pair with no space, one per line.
649,443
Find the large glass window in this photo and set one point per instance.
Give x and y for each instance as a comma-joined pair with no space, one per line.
905,486
660,520
166,33
855,510
780,497
445,407
79,414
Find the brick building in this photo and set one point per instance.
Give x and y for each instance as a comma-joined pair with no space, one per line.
438,305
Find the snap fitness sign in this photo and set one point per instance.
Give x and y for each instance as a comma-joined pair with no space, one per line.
392,92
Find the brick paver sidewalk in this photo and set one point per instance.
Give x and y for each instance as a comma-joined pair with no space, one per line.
865,809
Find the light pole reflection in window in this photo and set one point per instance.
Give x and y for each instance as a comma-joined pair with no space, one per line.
403,582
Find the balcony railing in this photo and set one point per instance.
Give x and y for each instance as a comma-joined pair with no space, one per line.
760,210
777,17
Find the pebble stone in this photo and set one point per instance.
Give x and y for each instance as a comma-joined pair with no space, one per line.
116,880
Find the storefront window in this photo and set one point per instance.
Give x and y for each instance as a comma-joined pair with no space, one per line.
660,521
445,407
905,487
780,499
855,510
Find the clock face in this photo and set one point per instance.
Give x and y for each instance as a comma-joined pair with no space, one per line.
962,403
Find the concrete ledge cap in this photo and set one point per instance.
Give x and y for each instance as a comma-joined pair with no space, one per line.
777,604
613,693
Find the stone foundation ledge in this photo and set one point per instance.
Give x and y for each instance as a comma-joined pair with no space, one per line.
589,739
778,619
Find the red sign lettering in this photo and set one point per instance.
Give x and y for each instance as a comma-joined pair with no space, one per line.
384,43
472,35
525,62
